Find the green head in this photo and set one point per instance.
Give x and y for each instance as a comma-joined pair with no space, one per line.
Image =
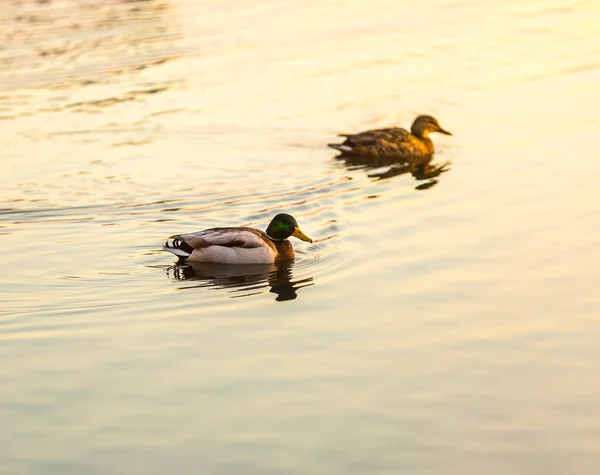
283,226
424,125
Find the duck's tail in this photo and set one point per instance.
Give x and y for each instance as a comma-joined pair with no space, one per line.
178,246
341,147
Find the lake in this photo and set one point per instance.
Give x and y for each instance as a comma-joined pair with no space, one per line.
436,325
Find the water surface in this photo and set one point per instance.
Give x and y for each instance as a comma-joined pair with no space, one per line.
436,325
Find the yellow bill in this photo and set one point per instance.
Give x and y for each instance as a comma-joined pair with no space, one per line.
300,235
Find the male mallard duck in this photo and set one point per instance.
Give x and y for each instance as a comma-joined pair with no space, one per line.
239,245
393,141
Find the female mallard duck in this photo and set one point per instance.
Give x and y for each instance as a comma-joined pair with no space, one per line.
239,245
393,141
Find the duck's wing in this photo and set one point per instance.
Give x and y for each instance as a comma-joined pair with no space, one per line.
223,245
386,141
227,237
370,137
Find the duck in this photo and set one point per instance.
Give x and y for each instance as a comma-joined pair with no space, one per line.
393,141
239,245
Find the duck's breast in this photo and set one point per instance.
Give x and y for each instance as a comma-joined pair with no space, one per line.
284,249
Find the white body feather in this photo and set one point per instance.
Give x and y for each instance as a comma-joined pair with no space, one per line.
224,255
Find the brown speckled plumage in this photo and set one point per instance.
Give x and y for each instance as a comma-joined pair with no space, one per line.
393,141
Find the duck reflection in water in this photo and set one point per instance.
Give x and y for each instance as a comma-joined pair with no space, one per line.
243,280
380,168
